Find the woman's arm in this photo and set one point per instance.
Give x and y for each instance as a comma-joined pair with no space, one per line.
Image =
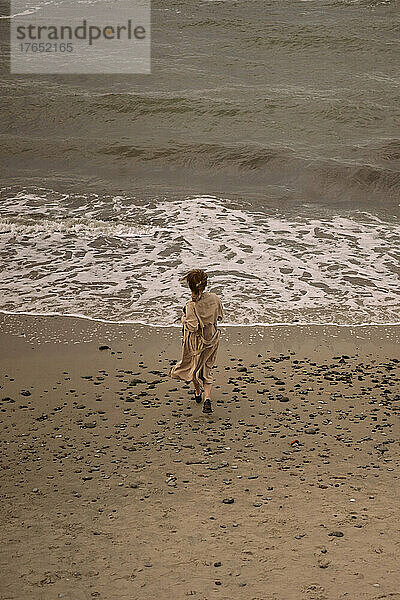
220,313
189,320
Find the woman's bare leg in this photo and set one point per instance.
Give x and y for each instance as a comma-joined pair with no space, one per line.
207,391
197,387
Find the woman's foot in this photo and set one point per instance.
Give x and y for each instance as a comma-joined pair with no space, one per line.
207,406
197,392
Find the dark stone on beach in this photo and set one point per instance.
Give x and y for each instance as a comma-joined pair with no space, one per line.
43,417
104,348
25,393
242,369
217,564
228,500
283,399
89,425
336,534
311,430
218,582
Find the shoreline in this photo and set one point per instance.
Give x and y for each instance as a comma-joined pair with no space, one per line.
177,325
115,485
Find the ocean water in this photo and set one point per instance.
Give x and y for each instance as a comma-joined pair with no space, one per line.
264,148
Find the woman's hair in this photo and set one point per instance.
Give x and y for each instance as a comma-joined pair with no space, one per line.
197,281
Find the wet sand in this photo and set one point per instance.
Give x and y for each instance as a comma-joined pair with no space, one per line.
114,485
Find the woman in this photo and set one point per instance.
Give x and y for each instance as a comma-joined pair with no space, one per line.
200,337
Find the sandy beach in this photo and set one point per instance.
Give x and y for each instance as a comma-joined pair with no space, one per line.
114,485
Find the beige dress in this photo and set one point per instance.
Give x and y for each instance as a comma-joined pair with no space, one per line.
200,339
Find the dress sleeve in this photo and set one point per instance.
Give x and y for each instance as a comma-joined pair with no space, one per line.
190,320
220,313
